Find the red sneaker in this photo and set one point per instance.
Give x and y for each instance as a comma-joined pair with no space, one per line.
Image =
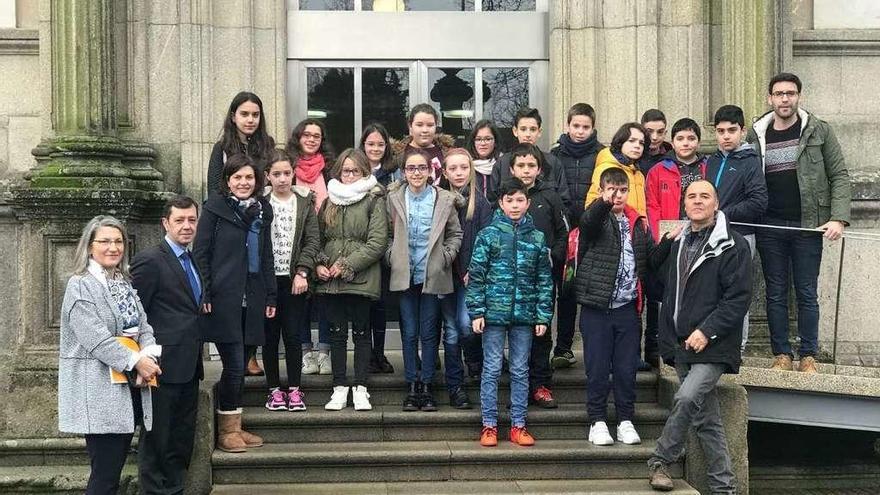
543,398
489,436
521,436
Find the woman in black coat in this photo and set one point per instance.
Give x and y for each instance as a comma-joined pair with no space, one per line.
233,248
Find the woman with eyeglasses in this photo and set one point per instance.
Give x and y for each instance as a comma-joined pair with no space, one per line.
311,157
354,230
104,329
484,146
426,239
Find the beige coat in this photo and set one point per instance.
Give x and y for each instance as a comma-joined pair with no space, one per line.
443,241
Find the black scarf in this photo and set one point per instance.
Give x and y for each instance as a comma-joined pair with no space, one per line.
577,150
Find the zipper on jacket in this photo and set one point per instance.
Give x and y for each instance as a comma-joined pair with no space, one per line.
515,271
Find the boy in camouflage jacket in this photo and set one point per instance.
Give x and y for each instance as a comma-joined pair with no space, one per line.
509,293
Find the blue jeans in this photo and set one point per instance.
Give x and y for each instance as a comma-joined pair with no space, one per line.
305,334
520,344
418,323
457,332
785,253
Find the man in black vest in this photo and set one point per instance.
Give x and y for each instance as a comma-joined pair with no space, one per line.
170,288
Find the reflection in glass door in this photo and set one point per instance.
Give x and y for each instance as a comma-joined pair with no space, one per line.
348,95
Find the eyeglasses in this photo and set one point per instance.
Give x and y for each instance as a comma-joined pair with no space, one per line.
410,169
351,172
780,94
309,135
109,242
484,140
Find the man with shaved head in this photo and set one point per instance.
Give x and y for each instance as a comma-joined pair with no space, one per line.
708,289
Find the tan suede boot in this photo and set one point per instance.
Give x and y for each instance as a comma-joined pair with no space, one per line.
250,440
229,432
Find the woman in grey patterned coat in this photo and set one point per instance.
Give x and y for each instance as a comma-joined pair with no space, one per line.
99,306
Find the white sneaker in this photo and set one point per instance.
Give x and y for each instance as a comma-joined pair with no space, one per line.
324,364
627,434
599,434
310,363
339,399
361,398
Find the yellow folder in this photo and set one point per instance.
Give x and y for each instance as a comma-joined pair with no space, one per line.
116,376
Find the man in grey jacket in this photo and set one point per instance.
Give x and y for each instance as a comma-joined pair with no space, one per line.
808,186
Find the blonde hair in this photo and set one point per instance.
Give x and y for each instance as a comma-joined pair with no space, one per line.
82,256
362,162
471,183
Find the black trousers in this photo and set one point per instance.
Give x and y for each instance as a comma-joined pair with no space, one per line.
107,453
234,356
341,309
164,453
285,326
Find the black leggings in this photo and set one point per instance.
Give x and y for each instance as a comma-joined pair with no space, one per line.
286,326
234,356
342,308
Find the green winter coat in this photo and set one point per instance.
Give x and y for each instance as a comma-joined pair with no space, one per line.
509,275
356,240
823,179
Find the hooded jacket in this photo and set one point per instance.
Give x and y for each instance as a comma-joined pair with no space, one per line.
663,191
551,173
636,199
510,281
714,297
356,240
742,189
444,240
825,188
548,216
444,142
577,171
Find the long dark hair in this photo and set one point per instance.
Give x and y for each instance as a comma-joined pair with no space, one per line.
259,144
388,162
472,148
293,149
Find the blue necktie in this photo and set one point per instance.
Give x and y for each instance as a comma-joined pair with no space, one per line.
190,275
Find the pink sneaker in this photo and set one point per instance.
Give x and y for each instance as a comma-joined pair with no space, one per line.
277,400
295,399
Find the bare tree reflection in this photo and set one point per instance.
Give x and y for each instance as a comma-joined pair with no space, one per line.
509,88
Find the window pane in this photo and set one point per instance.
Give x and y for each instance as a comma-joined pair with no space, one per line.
385,98
505,90
509,5
331,100
326,4
452,93
404,5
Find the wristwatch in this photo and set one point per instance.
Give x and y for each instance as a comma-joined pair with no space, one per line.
303,274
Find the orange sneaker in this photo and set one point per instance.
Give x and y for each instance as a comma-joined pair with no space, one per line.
520,436
489,436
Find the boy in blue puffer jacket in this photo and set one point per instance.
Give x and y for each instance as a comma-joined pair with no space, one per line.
509,292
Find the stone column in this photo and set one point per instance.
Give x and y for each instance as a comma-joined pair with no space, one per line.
751,53
83,169
85,149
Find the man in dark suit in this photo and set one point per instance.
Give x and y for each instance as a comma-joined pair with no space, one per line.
170,288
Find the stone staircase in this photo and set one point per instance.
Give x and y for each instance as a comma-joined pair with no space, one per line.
387,450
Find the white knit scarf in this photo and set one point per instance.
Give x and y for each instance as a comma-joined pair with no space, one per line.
348,194
484,166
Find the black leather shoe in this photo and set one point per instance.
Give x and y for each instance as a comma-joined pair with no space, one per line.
459,399
411,401
384,365
427,402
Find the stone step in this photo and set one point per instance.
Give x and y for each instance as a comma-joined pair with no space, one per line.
58,480
389,423
58,451
431,461
569,387
525,487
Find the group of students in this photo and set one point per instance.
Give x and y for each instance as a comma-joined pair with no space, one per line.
415,217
